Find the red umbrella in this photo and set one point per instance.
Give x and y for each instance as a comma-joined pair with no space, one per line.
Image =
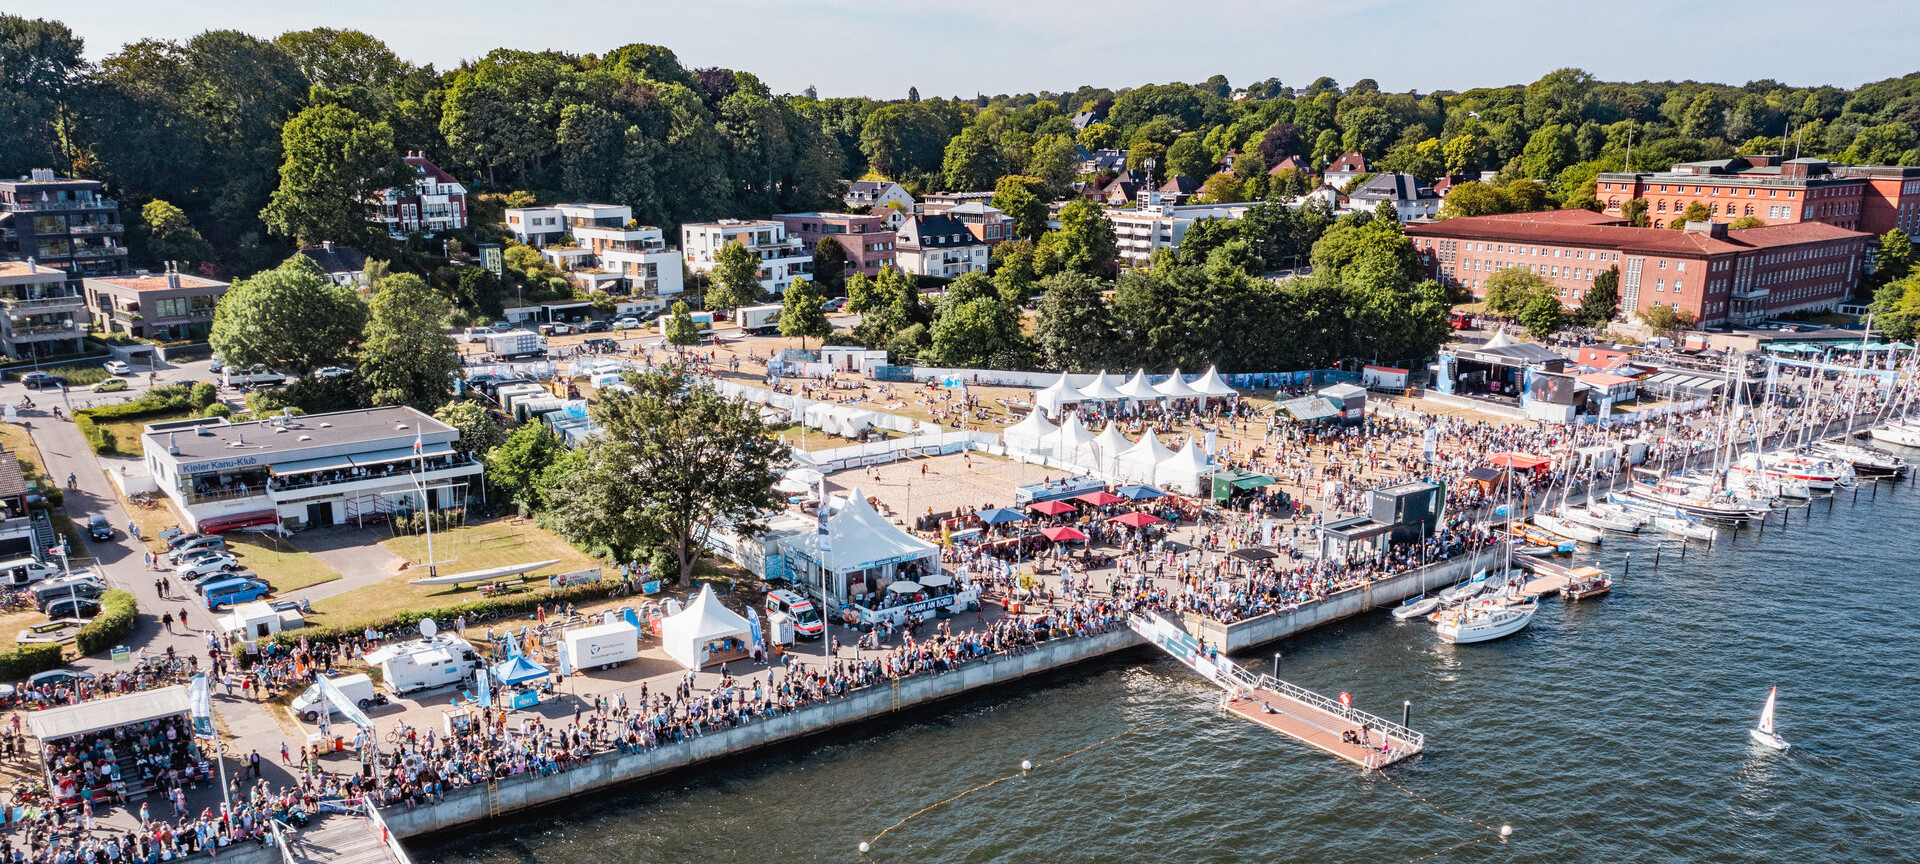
1137,520
1053,508
1100,499
1062,535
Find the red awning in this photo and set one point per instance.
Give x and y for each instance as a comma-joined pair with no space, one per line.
236,521
1137,520
1053,508
1062,535
1520,461
1100,499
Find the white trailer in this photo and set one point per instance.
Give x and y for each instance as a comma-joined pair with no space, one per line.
423,664
602,646
514,343
759,319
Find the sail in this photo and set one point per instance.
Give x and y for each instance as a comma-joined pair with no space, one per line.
1766,714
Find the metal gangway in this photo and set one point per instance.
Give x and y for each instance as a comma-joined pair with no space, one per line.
347,835
1327,724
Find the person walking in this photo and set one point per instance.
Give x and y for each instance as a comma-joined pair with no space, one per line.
166,618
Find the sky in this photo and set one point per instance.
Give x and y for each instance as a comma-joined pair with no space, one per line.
879,49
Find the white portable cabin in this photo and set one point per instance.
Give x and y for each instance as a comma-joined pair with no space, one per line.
423,664
602,646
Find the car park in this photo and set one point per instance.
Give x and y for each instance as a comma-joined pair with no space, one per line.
109,385
71,607
37,380
99,528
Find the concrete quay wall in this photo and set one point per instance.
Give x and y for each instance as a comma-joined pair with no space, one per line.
1272,627
469,804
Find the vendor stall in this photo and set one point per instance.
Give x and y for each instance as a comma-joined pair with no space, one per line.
862,553
519,679
1182,471
111,749
706,633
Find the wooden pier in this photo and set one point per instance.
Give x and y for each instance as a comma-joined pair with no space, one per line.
1548,577
1296,712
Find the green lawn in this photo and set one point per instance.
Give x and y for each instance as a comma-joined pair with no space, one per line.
284,567
473,547
126,433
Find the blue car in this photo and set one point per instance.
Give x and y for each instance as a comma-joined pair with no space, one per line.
232,592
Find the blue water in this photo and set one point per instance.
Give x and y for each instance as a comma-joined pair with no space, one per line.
1613,730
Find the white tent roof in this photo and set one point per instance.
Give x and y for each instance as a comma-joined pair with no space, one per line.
1102,389
1499,340
1211,384
1055,395
703,621
1138,388
1073,439
1141,460
1181,472
1109,446
1030,432
863,538
70,720
1176,388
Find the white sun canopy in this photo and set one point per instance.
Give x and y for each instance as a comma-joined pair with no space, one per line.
1211,384
1101,390
1176,387
686,635
1137,388
1108,447
1056,396
1182,471
1030,434
1074,441
1139,463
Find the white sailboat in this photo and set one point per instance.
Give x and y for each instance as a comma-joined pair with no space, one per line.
1418,606
1486,621
1764,734
1680,526
1566,528
1592,518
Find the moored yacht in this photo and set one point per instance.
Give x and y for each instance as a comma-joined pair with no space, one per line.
1486,621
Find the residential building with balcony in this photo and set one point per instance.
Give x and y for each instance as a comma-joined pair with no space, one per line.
347,467
46,317
940,246
936,203
431,203
168,307
1721,276
989,224
1140,232
62,223
611,253
868,238
781,257
539,226
870,195
1870,198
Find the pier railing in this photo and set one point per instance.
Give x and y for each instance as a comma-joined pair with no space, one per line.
1331,706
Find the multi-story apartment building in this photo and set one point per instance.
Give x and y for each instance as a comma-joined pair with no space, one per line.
988,223
866,237
611,253
62,223
781,257
940,246
1721,276
538,226
1162,226
46,317
169,307
1870,198
433,202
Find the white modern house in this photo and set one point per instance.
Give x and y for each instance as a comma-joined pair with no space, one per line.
1142,231
610,252
1411,201
538,226
346,467
781,257
940,246
868,194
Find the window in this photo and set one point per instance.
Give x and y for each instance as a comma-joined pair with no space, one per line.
1659,284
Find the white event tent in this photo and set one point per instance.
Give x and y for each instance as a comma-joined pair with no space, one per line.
702,631
864,551
1182,471
1056,396
1101,390
1108,447
1139,463
1212,385
1074,442
1176,387
1137,390
1031,434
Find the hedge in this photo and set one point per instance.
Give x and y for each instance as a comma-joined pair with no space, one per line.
118,611
169,399
26,660
444,615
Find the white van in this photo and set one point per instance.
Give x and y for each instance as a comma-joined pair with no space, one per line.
805,616
359,688
26,571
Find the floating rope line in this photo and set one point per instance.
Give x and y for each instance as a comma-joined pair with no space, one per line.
1024,768
1502,830
1450,849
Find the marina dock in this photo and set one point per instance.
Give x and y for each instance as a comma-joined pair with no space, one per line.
1548,577
1296,712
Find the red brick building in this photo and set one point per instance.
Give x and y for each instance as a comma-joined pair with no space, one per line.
866,237
1721,276
1870,198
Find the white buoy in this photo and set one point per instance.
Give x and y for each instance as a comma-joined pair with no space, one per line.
1026,765
1506,830
864,847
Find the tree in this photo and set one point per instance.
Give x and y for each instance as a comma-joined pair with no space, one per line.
1542,315
1696,212
972,162
1601,302
800,313
291,318
479,433
336,161
830,266
408,358
1084,242
736,278
170,237
1189,157
516,464
1899,314
1746,222
1473,198
681,331
1892,263
980,333
1223,188
1076,330
674,460
1634,211
1666,319
860,292
1028,211
1509,290
40,66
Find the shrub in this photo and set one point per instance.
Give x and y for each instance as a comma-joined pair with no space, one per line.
217,409
81,376
409,619
203,394
118,611
172,398
26,660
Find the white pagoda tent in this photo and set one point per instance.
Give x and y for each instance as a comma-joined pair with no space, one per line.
1182,471
1212,386
1056,396
1029,435
705,632
1137,390
1176,387
864,551
1142,460
1107,448
1101,390
1074,442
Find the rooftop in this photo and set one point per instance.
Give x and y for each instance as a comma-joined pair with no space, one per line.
274,436
158,282
1580,231
27,268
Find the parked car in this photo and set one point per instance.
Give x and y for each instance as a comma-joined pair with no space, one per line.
627,323
596,327
834,304
215,542
202,583
109,385
209,564
217,365
37,380
117,367
47,593
178,540
332,372
601,344
556,329
99,528
53,677
71,607
501,326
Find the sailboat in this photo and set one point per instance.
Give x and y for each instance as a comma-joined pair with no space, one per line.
1764,734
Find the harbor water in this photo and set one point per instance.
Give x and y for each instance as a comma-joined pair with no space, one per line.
1611,730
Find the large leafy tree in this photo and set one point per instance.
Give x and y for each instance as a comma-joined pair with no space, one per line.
1076,330
1542,315
407,357
830,266
1509,289
971,162
736,278
40,67
1028,211
674,460
291,318
479,432
1084,242
980,333
681,331
168,236
516,465
1602,300
336,161
800,314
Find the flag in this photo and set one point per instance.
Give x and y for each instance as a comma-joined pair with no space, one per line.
417,446
1346,698
200,698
